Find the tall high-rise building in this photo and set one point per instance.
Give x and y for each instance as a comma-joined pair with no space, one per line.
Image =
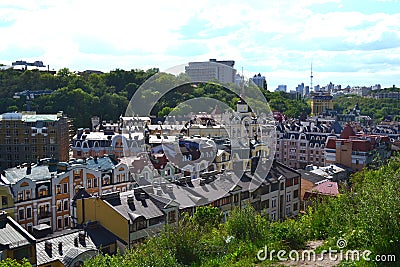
222,71
300,89
260,81
27,136
281,87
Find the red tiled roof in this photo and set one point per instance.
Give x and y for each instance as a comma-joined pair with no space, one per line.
361,145
347,132
326,188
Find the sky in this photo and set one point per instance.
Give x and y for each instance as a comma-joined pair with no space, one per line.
348,42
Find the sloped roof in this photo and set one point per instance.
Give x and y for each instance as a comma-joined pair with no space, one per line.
38,173
12,235
69,251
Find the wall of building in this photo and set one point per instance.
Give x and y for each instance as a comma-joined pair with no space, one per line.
95,209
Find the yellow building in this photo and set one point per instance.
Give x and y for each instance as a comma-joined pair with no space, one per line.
7,200
320,103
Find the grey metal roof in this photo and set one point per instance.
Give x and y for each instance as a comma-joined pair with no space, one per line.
38,173
312,177
101,163
12,235
69,251
145,207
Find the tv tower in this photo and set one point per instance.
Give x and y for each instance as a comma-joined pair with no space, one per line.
311,77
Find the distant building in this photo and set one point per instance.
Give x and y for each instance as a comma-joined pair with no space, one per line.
302,143
282,88
300,89
222,71
306,90
25,63
259,81
320,103
356,151
27,136
393,95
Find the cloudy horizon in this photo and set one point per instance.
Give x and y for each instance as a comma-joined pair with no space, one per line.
354,43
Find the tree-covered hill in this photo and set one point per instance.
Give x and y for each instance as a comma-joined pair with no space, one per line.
377,109
107,95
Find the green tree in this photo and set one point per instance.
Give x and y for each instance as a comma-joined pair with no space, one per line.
14,263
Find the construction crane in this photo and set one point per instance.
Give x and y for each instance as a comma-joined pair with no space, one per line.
30,95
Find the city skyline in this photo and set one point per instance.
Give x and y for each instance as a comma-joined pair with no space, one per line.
348,42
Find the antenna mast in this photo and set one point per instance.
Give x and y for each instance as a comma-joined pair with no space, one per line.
311,77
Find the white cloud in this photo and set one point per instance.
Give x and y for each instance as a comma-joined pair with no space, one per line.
279,38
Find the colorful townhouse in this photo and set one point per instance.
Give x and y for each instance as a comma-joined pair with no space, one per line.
143,211
43,194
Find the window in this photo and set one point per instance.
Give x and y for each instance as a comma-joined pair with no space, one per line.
288,210
139,224
282,186
273,203
28,194
20,196
296,193
43,192
288,197
28,212
66,221
236,198
95,184
295,206
65,188
58,189
21,214
59,223
59,207
4,201
106,179
66,204
89,185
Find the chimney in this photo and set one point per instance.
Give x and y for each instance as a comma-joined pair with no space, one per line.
76,241
3,219
82,239
48,248
28,169
60,248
